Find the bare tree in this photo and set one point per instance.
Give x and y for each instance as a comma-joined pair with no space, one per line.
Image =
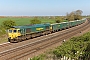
78,14
70,16
74,15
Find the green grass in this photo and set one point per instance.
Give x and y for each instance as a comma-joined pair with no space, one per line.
3,40
25,21
21,21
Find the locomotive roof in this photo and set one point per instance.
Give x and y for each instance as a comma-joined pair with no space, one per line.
31,26
25,26
40,25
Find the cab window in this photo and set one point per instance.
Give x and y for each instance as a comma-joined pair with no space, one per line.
14,31
10,31
19,31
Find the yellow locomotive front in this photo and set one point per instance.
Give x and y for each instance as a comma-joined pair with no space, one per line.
13,34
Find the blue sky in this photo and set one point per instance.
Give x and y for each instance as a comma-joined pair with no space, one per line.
42,7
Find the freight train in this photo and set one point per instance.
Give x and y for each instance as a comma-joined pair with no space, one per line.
20,33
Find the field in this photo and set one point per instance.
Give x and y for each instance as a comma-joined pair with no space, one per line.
25,21
21,21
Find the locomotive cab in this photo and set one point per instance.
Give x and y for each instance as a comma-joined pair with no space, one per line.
13,34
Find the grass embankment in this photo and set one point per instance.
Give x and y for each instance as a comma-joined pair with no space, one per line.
3,38
3,35
76,48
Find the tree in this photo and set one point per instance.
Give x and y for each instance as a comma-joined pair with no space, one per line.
67,16
8,24
58,19
74,15
71,16
78,14
35,21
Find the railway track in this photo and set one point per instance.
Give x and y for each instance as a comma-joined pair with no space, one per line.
21,51
5,44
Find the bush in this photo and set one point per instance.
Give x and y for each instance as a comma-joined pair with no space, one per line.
74,47
8,24
58,19
41,57
35,21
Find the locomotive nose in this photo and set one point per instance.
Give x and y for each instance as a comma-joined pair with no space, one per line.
11,36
